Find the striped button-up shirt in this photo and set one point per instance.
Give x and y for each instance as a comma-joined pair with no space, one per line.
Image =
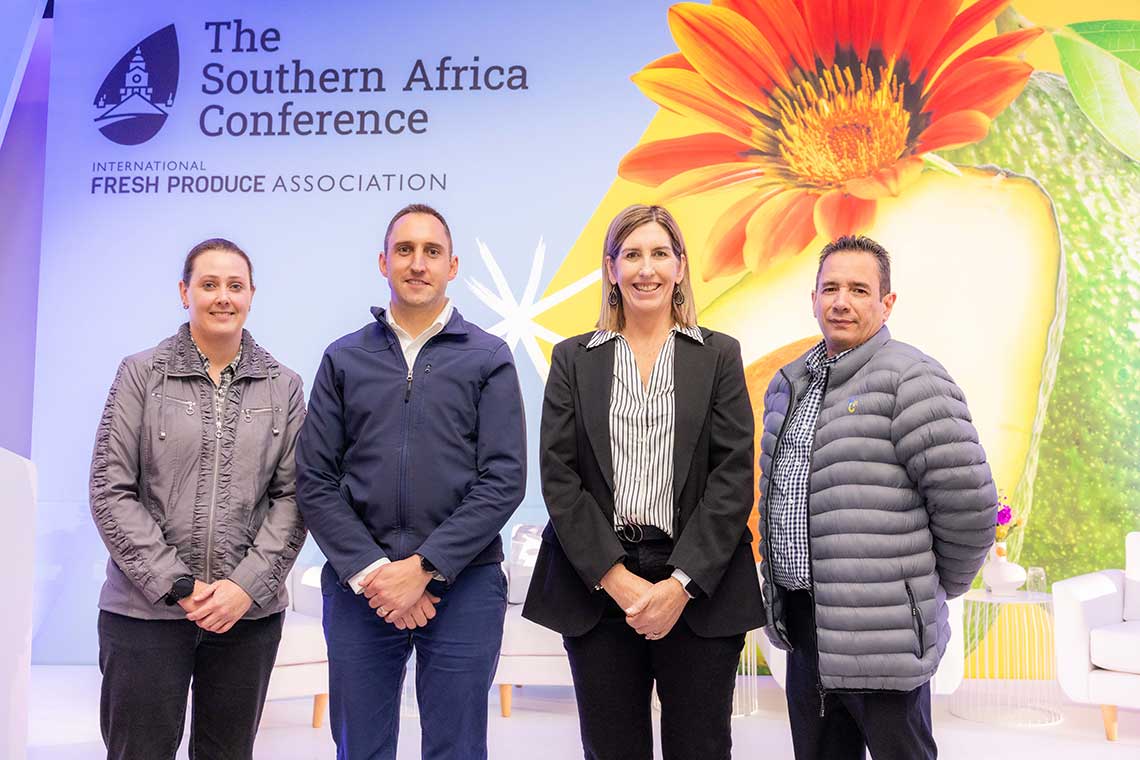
642,432
791,475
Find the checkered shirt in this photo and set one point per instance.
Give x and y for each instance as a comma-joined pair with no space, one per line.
791,474
227,379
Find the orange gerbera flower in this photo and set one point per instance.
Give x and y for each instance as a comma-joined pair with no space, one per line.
821,107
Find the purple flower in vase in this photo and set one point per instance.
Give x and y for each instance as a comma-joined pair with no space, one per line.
1004,515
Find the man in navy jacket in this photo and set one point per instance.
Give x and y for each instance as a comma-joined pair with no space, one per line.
411,460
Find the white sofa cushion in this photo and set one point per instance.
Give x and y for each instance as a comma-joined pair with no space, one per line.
302,641
1116,646
525,543
522,637
1132,576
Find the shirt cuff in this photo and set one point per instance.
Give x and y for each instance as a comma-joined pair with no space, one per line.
684,579
356,582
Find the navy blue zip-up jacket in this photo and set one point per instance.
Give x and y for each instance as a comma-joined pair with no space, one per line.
391,464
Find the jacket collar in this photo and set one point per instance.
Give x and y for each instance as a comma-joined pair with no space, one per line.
693,333
178,357
844,369
594,371
456,325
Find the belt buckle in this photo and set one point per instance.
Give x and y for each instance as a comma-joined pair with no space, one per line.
631,533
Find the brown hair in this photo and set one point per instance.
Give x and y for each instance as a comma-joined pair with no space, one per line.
213,244
418,208
863,244
613,317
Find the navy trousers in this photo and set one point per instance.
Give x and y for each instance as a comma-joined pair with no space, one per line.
894,725
456,656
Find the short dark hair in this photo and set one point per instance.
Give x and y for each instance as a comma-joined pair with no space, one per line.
213,244
419,208
863,244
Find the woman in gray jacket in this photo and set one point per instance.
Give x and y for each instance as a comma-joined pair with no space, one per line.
193,491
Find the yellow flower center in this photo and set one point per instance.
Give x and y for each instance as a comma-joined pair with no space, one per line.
833,130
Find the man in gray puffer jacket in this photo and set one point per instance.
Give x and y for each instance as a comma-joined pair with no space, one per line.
876,506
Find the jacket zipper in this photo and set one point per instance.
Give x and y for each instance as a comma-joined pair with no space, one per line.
402,498
219,413
916,620
811,570
767,513
775,451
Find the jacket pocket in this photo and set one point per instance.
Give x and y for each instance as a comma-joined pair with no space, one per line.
916,620
249,415
186,406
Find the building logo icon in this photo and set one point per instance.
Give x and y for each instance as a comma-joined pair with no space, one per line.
139,91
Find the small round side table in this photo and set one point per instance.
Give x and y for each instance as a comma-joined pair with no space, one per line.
1011,674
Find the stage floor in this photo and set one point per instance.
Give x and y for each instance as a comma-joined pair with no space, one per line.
64,725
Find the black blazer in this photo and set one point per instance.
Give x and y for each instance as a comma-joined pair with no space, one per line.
712,486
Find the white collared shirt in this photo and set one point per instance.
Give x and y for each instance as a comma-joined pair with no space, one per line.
411,347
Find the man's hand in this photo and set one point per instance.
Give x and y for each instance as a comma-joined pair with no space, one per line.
421,612
187,603
655,613
393,589
623,586
220,605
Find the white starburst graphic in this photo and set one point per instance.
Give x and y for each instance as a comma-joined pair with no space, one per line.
518,314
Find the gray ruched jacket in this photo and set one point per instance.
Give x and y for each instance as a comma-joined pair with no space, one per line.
174,493
901,512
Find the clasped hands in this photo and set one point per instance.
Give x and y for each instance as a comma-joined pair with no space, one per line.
651,609
216,606
398,593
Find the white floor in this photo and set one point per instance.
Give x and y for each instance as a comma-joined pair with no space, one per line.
64,725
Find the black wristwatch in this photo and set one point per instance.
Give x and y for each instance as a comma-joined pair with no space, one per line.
182,588
428,567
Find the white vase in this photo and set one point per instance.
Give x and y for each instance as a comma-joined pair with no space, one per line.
1000,576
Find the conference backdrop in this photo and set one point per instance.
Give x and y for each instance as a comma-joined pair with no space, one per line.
993,151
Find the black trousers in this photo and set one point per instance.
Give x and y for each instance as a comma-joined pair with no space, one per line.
894,725
148,666
614,669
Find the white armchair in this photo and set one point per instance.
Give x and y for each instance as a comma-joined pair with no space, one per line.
531,654
302,666
1097,636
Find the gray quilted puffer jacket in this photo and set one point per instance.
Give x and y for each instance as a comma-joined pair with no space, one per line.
901,512
176,491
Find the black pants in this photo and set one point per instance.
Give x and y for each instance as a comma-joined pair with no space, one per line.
614,669
894,725
147,667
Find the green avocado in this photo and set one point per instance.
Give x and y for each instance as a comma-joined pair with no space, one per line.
1081,487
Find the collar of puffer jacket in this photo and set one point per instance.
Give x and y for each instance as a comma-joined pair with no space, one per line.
845,368
178,358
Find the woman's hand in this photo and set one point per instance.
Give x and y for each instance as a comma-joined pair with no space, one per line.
219,605
623,586
187,603
656,611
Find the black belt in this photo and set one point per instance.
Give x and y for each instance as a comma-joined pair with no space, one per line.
632,533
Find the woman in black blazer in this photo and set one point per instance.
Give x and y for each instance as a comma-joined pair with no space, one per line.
646,565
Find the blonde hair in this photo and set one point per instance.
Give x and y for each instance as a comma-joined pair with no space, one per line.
613,317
